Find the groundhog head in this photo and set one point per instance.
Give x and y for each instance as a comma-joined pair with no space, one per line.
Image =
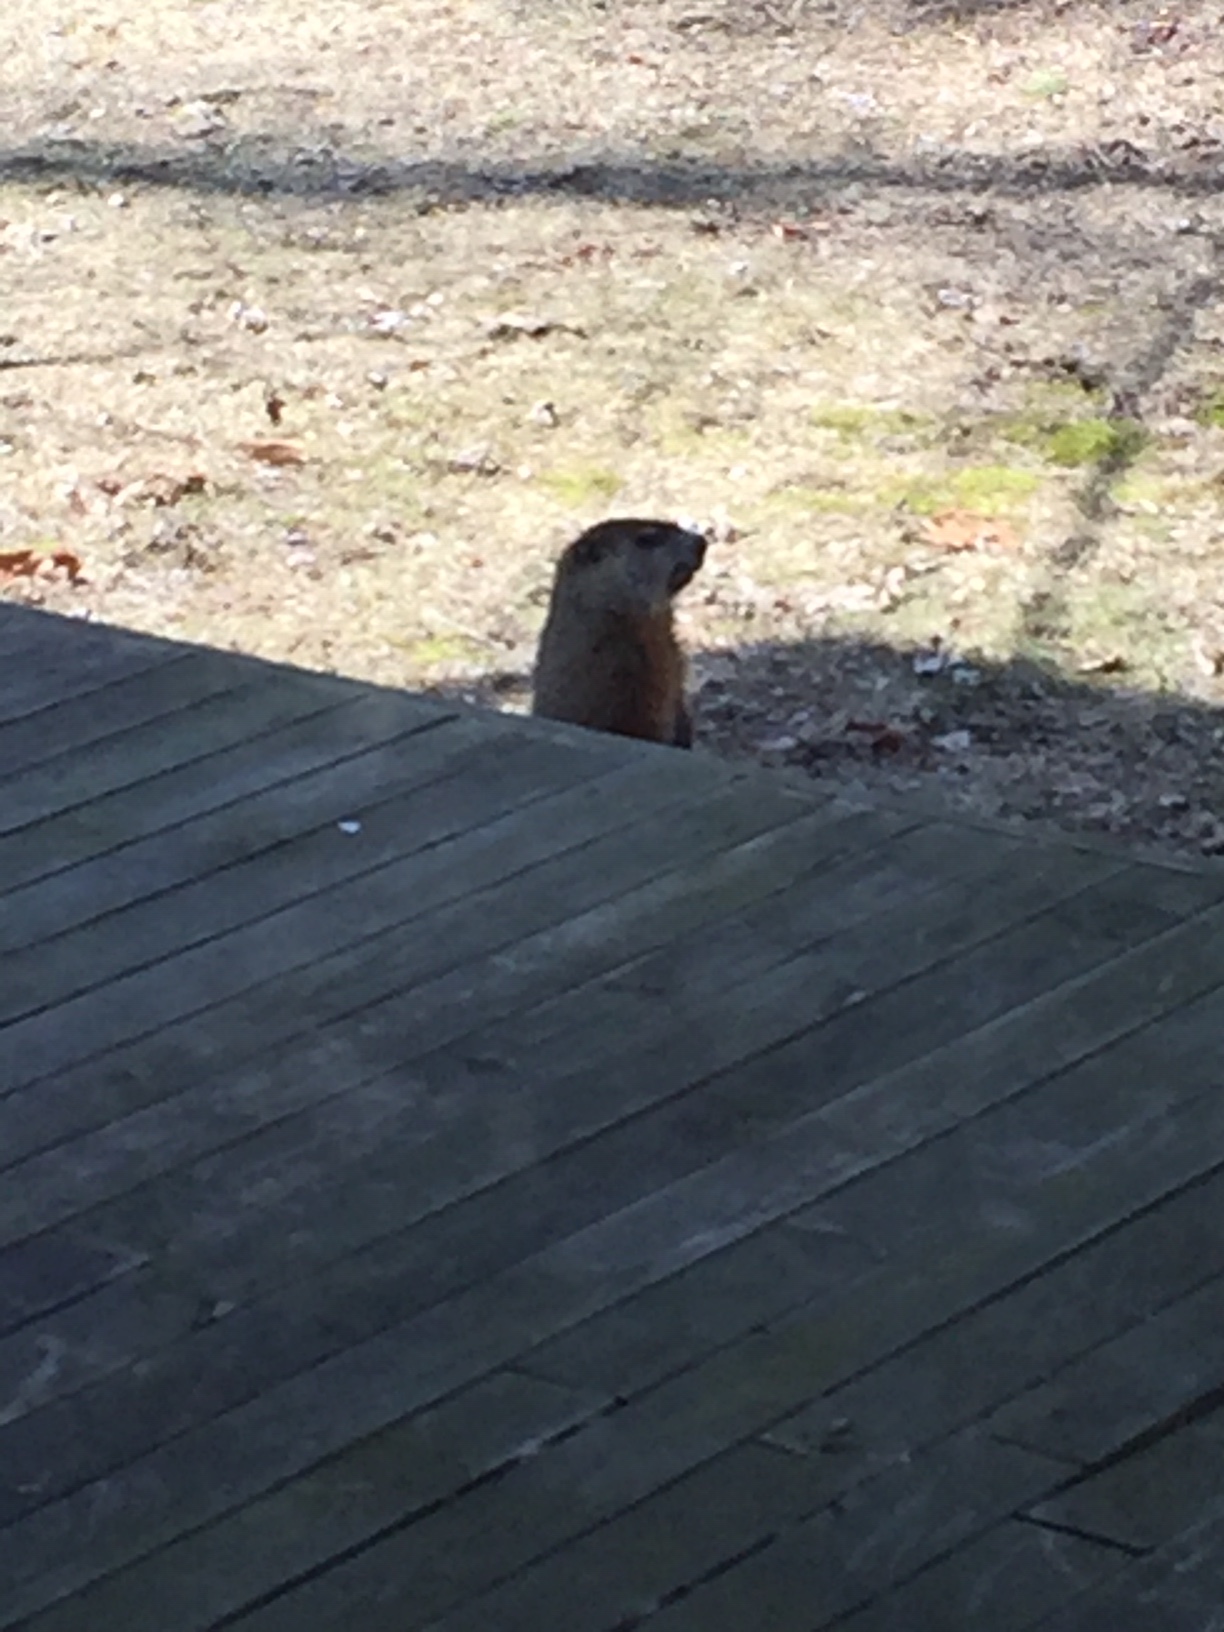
633,563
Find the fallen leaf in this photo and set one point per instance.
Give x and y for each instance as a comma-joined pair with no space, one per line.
274,405
788,230
33,564
959,530
274,453
69,563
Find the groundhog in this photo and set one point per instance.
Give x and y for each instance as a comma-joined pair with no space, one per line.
608,656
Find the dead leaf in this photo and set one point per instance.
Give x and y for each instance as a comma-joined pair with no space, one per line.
788,230
274,405
68,563
274,453
959,530
33,564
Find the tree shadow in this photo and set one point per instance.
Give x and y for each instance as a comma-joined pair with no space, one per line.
262,166
1012,740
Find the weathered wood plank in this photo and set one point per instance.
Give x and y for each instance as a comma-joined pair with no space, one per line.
907,879
405,1368
39,1276
1011,1343
134,1327
115,1156
739,1392
433,769
195,1052
360,921
623,1569
111,709
197,1581
49,660
215,722
109,822
1176,1589
941,1204
322,1213
359,754
256,1179
55,1111
292,1195
813,1570
1152,1495
483,1430
607,1579
1004,1581
1145,1379
802,1353
527,1140
799,1579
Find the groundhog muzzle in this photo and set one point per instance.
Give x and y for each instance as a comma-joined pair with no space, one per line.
608,657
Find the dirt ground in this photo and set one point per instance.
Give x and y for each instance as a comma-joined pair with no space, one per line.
324,326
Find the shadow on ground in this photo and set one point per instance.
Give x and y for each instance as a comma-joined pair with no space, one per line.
1012,740
266,165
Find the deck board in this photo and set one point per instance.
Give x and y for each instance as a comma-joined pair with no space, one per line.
44,670
603,1189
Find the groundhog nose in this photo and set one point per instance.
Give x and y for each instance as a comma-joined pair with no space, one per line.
699,549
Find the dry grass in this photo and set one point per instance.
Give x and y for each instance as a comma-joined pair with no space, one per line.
815,275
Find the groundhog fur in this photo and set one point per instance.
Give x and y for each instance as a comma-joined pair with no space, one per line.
608,657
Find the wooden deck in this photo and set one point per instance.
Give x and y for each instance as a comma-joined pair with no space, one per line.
597,1191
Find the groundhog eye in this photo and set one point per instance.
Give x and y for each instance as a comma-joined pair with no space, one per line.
650,538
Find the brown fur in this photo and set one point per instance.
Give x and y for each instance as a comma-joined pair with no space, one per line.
609,658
